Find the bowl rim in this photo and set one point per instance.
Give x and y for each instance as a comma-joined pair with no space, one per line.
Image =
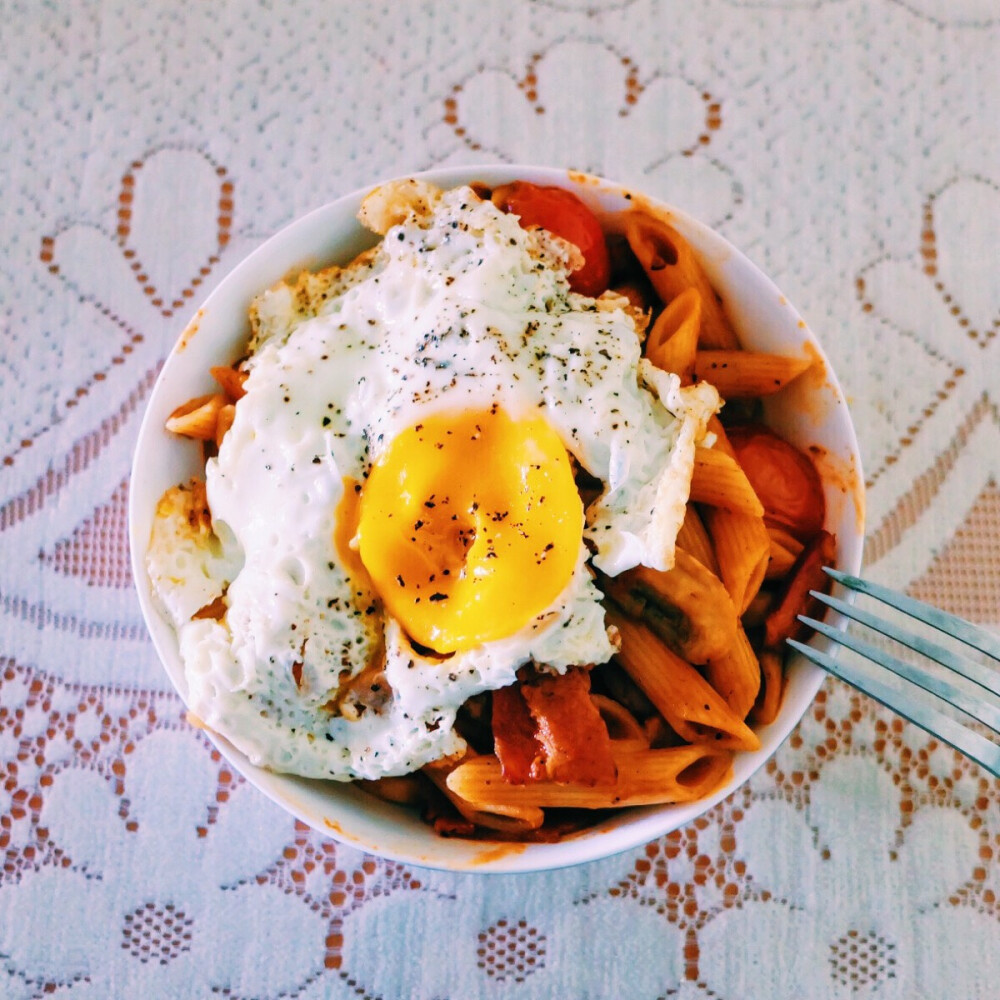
380,828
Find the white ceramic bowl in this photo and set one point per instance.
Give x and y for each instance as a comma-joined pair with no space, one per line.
811,412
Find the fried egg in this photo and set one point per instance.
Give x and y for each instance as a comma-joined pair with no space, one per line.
395,521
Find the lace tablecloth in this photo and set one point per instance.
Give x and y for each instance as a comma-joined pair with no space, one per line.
850,147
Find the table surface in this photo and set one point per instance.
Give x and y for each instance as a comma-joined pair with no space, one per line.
850,147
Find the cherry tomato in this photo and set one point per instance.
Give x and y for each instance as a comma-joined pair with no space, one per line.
783,477
561,212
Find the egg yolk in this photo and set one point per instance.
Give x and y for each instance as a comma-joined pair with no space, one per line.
470,526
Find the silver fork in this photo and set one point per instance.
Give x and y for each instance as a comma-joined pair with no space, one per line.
984,705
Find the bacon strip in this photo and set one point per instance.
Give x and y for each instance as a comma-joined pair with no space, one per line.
807,574
548,728
573,736
521,755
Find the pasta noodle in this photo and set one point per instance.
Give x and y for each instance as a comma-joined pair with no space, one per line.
747,374
624,729
487,811
673,339
719,481
231,381
736,674
645,777
785,549
688,703
772,683
694,538
198,418
743,547
672,268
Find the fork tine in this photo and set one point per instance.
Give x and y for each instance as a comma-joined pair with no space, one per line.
981,674
974,746
983,711
951,625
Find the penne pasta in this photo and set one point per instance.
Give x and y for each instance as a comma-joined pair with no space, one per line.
747,374
722,442
224,421
758,609
688,703
504,816
231,381
645,777
197,418
694,538
719,481
624,728
673,340
736,674
672,267
765,711
743,547
785,550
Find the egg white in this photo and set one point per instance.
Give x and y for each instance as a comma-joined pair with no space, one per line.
460,308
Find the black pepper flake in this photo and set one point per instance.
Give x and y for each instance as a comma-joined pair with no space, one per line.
438,597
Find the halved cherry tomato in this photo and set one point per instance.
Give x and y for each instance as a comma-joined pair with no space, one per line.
561,212
783,477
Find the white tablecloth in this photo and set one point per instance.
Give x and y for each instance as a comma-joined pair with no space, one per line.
850,147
